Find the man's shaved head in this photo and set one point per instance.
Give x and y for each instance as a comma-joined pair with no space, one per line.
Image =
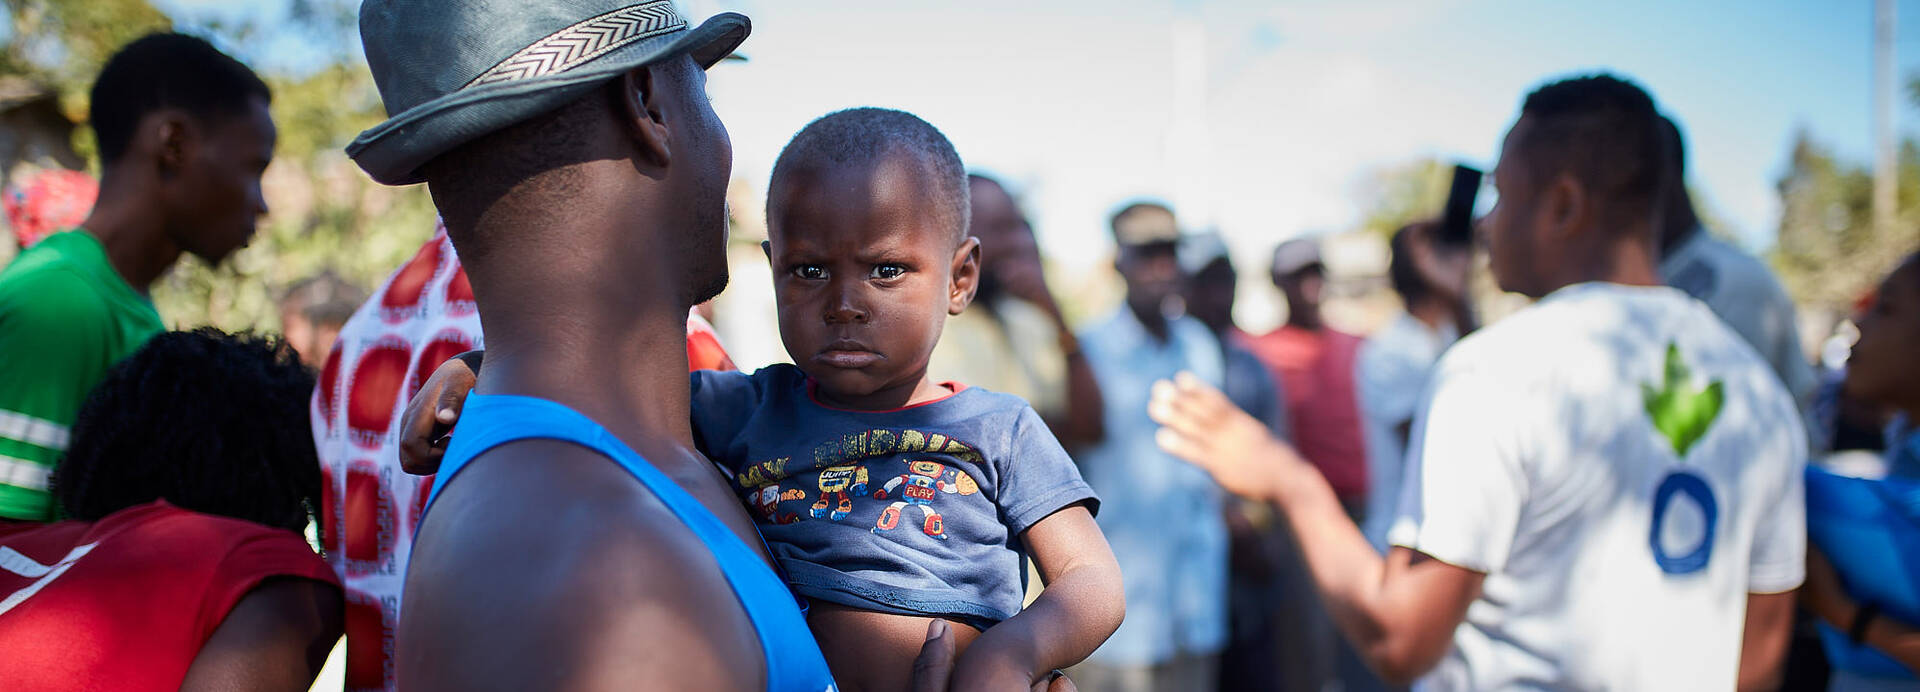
864,136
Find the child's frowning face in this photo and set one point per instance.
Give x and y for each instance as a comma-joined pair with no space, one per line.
866,268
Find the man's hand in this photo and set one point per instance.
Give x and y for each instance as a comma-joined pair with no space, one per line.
429,418
1200,425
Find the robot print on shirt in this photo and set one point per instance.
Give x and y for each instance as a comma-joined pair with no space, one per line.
922,481
767,501
838,485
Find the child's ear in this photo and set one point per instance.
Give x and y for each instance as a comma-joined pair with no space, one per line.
966,276
766,248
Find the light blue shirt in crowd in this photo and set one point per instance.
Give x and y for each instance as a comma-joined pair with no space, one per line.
1160,514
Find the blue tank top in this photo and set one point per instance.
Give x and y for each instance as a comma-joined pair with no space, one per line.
793,659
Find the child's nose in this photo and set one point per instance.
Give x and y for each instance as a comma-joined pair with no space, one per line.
843,309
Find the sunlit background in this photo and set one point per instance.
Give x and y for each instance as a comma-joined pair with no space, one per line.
1258,120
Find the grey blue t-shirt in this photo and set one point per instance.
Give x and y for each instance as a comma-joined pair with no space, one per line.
914,511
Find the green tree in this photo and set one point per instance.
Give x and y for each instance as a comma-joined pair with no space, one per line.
1401,194
327,215
64,42
1828,252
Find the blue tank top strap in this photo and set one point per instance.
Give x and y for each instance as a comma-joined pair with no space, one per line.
792,656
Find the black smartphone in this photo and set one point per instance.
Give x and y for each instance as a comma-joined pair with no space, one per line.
1456,222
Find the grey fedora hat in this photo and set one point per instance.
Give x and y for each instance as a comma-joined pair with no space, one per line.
450,71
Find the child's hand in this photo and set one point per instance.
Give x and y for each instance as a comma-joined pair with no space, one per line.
429,418
987,667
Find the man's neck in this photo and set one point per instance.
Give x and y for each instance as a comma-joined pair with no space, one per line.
605,337
1435,314
1629,262
1152,319
130,229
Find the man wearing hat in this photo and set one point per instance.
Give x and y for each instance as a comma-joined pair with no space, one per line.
574,538
1315,363
1162,516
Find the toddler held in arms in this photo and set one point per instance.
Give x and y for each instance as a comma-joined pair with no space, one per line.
896,505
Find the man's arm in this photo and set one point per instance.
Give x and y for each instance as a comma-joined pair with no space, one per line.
1400,611
275,638
1082,605
1763,647
1084,421
1826,597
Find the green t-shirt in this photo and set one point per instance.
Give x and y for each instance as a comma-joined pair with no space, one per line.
65,317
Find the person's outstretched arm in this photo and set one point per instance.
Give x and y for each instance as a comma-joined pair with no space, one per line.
1399,611
1081,606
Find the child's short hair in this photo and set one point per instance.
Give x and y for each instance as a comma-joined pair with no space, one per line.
859,136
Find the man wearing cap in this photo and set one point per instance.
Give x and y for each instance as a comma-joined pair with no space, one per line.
1279,635
1162,516
1315,364
574,539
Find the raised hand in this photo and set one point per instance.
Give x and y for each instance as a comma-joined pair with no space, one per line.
1199,424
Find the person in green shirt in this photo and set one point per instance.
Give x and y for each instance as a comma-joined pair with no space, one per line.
184,136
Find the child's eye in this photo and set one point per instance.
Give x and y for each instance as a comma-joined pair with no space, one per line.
811,272
889,271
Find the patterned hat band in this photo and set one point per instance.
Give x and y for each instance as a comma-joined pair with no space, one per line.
579,44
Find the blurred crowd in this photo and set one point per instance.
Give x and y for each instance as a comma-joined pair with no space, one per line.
1643,480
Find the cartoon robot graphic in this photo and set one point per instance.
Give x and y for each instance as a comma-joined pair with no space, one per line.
767,501
922,480
838,485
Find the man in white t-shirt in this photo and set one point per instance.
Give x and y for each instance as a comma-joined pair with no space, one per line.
1603,490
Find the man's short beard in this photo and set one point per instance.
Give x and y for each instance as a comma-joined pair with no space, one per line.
704,288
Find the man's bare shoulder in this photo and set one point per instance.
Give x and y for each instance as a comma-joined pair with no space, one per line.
547,566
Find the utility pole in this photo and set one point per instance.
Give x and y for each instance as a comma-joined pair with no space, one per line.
1885,170
1189,142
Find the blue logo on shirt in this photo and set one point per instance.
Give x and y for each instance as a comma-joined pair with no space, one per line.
1684,514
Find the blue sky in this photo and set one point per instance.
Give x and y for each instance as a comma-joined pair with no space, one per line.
1080,103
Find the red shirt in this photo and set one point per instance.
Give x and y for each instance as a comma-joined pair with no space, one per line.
1316,370
125,603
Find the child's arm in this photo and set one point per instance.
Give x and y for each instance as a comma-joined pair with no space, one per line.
1081,606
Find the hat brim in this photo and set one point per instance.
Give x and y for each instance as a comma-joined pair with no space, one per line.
393,151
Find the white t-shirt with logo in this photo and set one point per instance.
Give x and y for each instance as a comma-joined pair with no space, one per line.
1619,552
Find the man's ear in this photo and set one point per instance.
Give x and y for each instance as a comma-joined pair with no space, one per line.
1567,207
766,247
966,276
173,140
640,103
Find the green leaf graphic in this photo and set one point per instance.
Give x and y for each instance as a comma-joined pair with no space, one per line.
1679,411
